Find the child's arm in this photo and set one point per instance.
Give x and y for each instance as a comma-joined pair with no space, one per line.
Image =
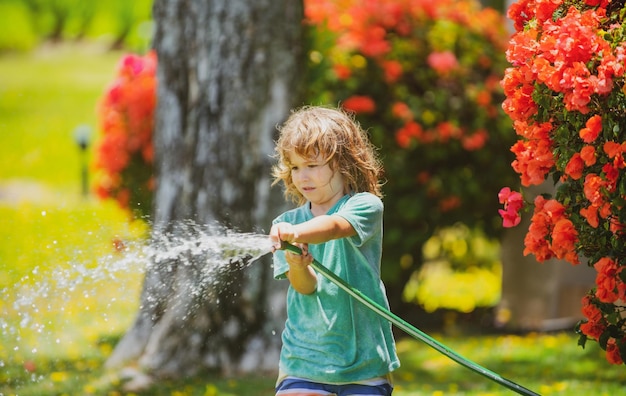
301,275
319,229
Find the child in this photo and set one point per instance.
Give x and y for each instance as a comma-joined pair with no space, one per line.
332,344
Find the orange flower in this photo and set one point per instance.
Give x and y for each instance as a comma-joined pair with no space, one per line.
613,149
574,167
590,213
564,238
588,155
592,189
592,129
533,160
401,110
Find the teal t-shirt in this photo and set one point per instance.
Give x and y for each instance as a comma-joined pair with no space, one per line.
329,336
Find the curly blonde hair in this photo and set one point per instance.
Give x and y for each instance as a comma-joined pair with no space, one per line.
336,136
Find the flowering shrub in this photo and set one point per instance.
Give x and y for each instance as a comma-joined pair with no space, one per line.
565,94
125,152
423,76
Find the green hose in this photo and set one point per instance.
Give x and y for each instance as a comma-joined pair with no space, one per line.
408,328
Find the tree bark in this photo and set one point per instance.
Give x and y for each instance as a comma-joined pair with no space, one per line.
227,75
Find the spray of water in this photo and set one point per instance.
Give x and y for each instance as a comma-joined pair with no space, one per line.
48,309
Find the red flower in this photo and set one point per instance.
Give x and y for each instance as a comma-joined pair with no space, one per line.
592,329
410,130
360,104
343,72
590,310
401,110
612,352
549,229
393,71
475,141
607,279
126,114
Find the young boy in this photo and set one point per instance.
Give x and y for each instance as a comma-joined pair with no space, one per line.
332,344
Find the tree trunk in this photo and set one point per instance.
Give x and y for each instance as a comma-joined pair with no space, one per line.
227,76
538,296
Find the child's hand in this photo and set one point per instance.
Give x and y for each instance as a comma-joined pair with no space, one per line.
299,261
282,232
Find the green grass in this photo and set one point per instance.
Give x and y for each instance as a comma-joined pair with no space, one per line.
548,364
63,308
44,96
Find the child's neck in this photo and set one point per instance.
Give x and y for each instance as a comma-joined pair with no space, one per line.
319,210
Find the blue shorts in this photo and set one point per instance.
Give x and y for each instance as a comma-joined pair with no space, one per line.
294,386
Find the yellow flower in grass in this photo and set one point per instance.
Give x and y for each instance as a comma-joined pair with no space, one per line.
59,376
210,390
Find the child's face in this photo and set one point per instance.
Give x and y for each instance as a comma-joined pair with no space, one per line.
316,181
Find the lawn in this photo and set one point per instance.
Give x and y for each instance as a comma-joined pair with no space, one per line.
66,300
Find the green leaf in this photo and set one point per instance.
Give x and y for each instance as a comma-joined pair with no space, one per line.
604,338
582,340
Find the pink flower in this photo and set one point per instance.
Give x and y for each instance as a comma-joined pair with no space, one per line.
442,62
513,202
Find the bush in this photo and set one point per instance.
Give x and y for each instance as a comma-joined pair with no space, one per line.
125,152
424,77
568,106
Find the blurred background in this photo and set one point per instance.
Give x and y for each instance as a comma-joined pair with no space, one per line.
431,102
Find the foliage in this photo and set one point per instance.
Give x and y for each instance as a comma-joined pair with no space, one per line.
125,152
423,76
465,261
17,32
29,22
565,95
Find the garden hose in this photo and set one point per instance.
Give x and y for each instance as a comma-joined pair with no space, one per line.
408,328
